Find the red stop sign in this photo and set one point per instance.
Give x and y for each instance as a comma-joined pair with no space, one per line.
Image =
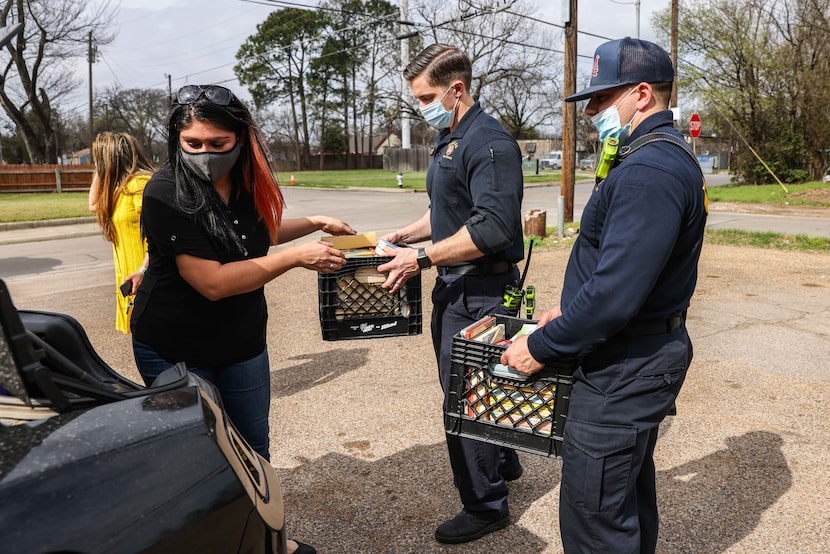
694,125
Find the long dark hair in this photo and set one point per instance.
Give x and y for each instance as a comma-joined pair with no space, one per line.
252,171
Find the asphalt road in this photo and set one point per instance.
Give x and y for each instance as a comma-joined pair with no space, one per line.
44,251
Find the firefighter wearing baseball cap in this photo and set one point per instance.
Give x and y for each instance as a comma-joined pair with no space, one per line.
627,287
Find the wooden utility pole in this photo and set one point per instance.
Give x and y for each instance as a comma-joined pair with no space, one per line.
90,58
566,190
674,8
169,88
405,31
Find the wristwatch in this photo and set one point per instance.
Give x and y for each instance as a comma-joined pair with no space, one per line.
423,260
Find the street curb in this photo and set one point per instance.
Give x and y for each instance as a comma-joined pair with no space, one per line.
16,225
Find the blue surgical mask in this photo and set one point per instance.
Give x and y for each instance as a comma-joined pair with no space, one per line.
436,114
608,122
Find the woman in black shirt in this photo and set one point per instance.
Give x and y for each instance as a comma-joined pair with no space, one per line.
209,216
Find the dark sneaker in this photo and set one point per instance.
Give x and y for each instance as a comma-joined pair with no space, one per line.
513,475
466,527
303,548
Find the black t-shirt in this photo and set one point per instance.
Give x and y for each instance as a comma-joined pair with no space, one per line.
171,316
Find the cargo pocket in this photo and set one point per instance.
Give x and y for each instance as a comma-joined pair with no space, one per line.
596,464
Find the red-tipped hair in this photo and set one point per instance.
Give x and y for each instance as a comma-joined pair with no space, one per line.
268,198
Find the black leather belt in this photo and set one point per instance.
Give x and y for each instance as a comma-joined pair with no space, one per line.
496,268
655,326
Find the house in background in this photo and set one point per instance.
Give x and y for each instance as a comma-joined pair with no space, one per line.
81,157
381,142
391,140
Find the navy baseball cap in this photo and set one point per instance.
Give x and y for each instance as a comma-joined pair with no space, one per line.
626,61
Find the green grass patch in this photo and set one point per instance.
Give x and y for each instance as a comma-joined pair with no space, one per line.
735,237
37,206
729,237
552,239
379,178
804,194
370,178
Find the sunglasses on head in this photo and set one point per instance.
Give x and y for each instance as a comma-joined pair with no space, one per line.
214,94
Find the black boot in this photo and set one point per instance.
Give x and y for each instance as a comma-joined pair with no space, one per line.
466,527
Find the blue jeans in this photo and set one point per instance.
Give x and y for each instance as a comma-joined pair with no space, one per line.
245,389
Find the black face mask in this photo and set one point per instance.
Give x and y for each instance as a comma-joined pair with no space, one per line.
211,166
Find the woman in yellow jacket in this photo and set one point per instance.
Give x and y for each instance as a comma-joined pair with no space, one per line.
115,195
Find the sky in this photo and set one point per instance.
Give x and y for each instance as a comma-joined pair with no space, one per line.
195,41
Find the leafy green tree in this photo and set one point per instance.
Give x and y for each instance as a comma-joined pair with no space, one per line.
274,62
344,47
754,66
355,62
322,80
805,30
334,140
335,62
379,65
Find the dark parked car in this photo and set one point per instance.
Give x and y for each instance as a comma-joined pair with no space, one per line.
92,462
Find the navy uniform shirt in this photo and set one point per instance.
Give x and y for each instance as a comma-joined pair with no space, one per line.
171,316
475,180
638,247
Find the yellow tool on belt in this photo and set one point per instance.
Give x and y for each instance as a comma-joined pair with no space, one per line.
513,294
607,157
530,301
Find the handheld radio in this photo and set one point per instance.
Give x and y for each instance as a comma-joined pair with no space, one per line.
513,294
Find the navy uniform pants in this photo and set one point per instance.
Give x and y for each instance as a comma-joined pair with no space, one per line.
477,467
621,393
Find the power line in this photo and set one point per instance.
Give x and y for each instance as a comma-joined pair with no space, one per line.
431,25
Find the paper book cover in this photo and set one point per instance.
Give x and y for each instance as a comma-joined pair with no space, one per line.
478,327
347,242
492,335
526,329
384,246
369,276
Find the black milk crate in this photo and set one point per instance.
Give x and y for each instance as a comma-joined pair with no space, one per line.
351,309
527,415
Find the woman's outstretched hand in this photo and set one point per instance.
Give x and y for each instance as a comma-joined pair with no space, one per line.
319,256
333,226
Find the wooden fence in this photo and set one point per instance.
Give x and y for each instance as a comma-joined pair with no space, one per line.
406,159
45,178
333,162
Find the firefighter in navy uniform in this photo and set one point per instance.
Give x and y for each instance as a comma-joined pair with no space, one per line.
629,280
475,188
